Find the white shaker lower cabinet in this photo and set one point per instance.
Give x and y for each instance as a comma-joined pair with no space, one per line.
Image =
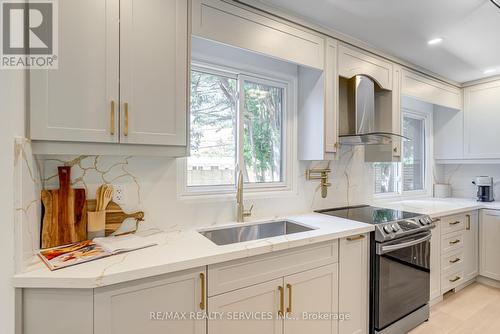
435,286
471,246
142,306
263,299
490,245
308,294
354,284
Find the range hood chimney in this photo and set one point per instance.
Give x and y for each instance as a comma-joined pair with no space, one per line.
361,115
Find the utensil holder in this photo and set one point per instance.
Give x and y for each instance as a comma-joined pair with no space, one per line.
96,224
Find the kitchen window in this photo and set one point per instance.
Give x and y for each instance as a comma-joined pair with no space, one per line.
237,119
411,174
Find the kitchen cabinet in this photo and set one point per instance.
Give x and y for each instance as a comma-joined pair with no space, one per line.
124,88
459,249
318,127
429,90
481,119
354,61
354,284
232,24
141,307
448,126
489,252
435,267
79,101
264,298
471,246
313,291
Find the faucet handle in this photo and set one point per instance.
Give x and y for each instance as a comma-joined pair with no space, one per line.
248,213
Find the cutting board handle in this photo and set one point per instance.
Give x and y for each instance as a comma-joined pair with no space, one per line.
64,177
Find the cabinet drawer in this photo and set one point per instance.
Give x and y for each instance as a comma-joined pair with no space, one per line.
452,280
451,242
452,261
452,224
237,274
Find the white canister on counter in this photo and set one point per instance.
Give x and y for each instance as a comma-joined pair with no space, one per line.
442,190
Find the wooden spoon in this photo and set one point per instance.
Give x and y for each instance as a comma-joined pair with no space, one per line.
107,196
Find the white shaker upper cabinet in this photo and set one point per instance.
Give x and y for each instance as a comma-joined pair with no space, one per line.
235,25
481,121
154,72
354,62
429,90
75,101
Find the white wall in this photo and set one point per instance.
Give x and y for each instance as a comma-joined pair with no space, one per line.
12,108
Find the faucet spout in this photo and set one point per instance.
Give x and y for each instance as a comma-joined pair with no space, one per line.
241,213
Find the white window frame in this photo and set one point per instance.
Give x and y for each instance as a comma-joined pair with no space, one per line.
429,165
289,142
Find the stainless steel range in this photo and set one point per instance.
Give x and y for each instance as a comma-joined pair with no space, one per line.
399,266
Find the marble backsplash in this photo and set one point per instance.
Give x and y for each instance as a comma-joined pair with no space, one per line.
460,178
151,185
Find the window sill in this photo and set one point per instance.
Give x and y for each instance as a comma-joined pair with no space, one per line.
230,195
407,195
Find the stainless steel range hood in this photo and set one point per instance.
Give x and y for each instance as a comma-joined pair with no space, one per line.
361,115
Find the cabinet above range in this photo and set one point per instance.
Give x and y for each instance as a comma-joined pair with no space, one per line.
115,92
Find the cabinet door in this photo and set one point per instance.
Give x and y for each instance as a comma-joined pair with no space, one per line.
471,246
74,102
353,284
481,119
145,306
490,247
154,43
312,292
257,300
430,90
435,265
331,97
353,62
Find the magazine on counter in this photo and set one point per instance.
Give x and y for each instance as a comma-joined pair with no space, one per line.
89,250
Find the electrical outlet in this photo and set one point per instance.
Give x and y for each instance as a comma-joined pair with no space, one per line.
119,195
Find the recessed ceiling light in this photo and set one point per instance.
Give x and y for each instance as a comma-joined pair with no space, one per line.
435,41
490,70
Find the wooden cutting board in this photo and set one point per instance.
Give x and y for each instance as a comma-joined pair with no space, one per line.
115,215
64,213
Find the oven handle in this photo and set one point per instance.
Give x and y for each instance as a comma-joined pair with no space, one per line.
386,249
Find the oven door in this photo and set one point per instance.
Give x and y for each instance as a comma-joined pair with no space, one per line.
402,278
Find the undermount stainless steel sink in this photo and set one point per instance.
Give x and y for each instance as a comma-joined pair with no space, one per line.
247,232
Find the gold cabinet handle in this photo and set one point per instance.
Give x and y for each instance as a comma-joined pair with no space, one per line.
454,279
125,116
289,308
468,222
202,279
358,237
112,125
454,242
282,301
454,223
455,260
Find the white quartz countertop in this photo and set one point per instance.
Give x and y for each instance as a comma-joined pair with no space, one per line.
439,207
180,250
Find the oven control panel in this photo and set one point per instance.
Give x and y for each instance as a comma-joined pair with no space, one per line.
397,229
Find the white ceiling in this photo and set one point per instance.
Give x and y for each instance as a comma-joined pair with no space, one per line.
470,28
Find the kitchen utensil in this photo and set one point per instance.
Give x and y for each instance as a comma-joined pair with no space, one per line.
65,212
96,224
114,215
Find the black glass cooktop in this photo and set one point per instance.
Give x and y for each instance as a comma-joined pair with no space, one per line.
369,214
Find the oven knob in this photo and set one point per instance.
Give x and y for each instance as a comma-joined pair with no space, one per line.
422,221
387,229
395,227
